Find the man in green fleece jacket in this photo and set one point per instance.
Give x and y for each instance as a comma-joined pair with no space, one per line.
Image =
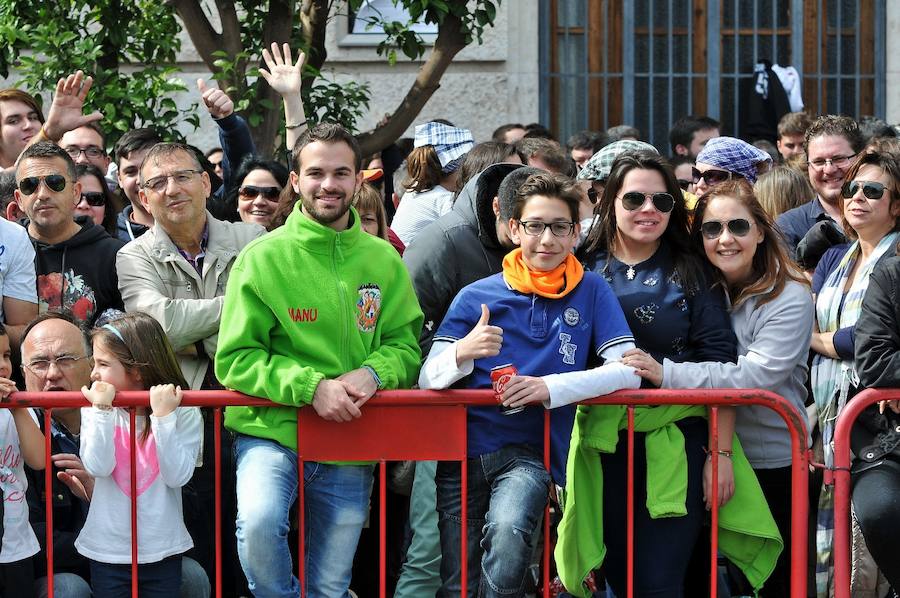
316,313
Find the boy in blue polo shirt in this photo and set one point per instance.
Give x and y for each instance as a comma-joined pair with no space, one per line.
550,319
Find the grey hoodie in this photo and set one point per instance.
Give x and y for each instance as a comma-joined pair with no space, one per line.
457,249
773,343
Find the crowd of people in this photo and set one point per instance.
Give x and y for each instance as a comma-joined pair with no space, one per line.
549,272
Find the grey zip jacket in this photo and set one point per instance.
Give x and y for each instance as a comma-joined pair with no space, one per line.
773,344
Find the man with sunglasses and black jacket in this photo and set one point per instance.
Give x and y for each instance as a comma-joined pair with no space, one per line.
74,263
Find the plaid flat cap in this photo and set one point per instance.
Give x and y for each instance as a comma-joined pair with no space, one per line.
734,155
598,167
450,143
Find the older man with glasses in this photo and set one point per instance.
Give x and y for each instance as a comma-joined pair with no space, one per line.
56,358
177,272
74,263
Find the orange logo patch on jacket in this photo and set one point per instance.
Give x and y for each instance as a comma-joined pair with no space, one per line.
368,307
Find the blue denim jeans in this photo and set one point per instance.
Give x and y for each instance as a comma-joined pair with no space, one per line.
507,493
194,583
337,506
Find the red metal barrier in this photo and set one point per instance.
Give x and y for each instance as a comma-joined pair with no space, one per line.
841,473
396,427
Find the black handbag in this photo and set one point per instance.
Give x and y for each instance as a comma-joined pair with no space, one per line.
874,438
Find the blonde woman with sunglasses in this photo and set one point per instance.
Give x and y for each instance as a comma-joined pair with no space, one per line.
871,220
771,312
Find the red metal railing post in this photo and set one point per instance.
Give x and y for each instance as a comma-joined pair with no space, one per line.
842,486
547,537
382,527
714,500
48,496
217,446
629,570
134,530
464,522
301,518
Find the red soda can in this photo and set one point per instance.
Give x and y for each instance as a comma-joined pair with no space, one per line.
500,376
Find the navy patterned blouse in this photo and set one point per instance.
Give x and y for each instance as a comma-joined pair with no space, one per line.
667,320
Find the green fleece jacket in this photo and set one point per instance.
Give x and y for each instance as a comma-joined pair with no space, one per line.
306,303
748,535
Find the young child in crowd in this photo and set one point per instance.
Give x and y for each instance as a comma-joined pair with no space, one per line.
19,438
133,353
550,320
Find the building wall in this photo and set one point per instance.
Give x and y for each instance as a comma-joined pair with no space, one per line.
892,65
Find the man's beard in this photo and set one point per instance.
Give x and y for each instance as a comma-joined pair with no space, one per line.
326,218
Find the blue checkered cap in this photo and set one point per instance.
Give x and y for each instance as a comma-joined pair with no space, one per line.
734,155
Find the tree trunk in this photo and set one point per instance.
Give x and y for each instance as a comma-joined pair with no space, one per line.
277,29
449,42
108,61
313,17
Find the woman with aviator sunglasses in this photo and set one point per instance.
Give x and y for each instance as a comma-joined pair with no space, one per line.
641,246
871,219
259,184
770,302
97,202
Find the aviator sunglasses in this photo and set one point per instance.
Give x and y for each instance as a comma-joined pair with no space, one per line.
55,182
871,189
634,200
713,229
252,191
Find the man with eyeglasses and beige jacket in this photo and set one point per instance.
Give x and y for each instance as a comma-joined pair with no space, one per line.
177,272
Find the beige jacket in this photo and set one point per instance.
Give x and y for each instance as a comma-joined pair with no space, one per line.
156,279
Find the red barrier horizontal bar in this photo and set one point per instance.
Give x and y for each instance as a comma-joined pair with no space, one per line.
413,433
411,398
842,482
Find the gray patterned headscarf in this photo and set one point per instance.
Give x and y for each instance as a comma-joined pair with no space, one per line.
598,167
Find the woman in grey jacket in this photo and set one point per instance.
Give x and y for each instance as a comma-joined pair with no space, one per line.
772,315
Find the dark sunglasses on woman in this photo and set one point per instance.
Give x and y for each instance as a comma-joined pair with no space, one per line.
634,200
713,229
252,191
94,198
713,176
871,189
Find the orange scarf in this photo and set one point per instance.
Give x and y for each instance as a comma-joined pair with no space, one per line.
552,284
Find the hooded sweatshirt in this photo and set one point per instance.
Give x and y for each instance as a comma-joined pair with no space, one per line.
126,228
457,249
78,274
